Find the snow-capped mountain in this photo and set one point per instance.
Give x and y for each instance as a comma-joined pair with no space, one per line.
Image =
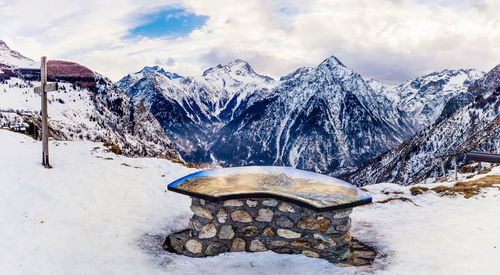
316,119
473,127
11,58
192,109
420,101
87,106
322,118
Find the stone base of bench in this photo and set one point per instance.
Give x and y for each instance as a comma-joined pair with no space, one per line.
256,225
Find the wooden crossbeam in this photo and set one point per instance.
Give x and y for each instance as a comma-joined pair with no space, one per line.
485,157
49,87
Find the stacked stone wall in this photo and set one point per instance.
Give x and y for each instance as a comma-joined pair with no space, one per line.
257,225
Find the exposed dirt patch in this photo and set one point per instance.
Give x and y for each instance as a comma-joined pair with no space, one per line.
485,171
393,192
469,168
404,199
188,164
112,148
469,188
418,190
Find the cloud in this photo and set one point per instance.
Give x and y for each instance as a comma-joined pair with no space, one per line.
391,40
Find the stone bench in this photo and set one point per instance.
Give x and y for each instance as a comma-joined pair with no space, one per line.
257,209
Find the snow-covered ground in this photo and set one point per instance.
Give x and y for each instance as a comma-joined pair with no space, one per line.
99,213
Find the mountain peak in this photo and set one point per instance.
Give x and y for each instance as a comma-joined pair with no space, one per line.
332,65
491,80
4,45
14,59
159,70
236,69
239,64
332,61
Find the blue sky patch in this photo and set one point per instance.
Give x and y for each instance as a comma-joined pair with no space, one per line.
171,23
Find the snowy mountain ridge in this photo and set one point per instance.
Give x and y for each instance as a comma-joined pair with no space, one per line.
11,58
422,99
86,107
322,118
473,127
190,109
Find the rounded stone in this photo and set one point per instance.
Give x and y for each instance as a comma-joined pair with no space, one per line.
270,202
286,208
241,216
268,232
279,243
324,238
177,241
249,231
226,232
284,221
214,248
196,224
252,203
222,215
202,212
311,254
323,223
208,231
238,245
257,246
346,237
265,215
321,246
194,246
288,234
301,243
345,255
344,225
308,223
342,214
233,203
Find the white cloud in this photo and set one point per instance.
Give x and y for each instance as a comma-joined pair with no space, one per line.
388,39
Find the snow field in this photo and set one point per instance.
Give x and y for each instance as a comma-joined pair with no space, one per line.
99,213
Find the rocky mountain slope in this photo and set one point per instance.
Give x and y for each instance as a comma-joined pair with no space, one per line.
316,119
87,107
325,118
11,58
421,101
473,127
193,109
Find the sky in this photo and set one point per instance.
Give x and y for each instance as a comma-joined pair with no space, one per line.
390,40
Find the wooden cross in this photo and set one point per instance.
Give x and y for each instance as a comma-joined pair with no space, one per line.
42,90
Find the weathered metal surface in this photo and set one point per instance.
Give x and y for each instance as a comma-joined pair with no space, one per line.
309,189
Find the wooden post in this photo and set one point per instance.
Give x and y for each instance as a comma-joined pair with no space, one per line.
43,90
442,169
45,126
456,172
